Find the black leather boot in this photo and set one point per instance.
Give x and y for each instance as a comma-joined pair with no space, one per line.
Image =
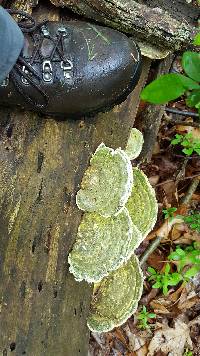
71,69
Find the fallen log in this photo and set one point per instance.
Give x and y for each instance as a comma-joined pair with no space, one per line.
43,309
151,25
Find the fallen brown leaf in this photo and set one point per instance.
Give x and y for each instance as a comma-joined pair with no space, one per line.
171,340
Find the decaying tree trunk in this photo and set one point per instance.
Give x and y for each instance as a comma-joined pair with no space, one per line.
42,161
147,24
43,310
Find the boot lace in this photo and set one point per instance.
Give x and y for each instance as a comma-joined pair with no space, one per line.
23,67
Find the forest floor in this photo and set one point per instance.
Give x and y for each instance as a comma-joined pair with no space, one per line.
173,326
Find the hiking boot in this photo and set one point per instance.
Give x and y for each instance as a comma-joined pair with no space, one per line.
71,69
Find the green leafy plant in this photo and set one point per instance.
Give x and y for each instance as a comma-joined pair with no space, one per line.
189,143
197,40
164,279
144,317
190,256
169,212
188,353
171,86
193,221
187,262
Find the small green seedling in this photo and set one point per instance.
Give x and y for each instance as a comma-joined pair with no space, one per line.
188,353
190,256
169,212
189,143
193,221
144,317
165,279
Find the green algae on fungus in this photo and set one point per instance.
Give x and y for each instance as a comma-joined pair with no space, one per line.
102,245
142,204
135,143
107,183
116,297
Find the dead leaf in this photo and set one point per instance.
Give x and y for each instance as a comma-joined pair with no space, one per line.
159,308
174,296
153,180
156,259
171,340
188,297
136,342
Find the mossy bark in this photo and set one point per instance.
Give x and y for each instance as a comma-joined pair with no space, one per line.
152,25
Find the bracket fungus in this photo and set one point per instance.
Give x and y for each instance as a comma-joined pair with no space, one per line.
142,204
116,297
107,183
102,245
134,144
120,210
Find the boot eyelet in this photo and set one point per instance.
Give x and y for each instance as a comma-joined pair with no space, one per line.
47,71
45,31
62,30
66,68
24,80
5,82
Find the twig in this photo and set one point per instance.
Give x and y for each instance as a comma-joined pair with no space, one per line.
180,112
183,123
152,247
181,173
173,180
193,186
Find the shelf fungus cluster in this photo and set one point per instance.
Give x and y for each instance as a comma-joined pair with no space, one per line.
120,209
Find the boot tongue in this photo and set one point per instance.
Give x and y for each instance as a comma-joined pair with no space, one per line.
29,46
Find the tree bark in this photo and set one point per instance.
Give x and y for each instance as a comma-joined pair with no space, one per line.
152,25
43,309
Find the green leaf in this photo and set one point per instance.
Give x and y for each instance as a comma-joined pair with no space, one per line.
151,270
191,272
144,309
160,91
180,252
196,41
175,278
165,289
193,98
188,83
167,268
191,64
188,151
178,139
157,285
174,256
168,87
151,315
